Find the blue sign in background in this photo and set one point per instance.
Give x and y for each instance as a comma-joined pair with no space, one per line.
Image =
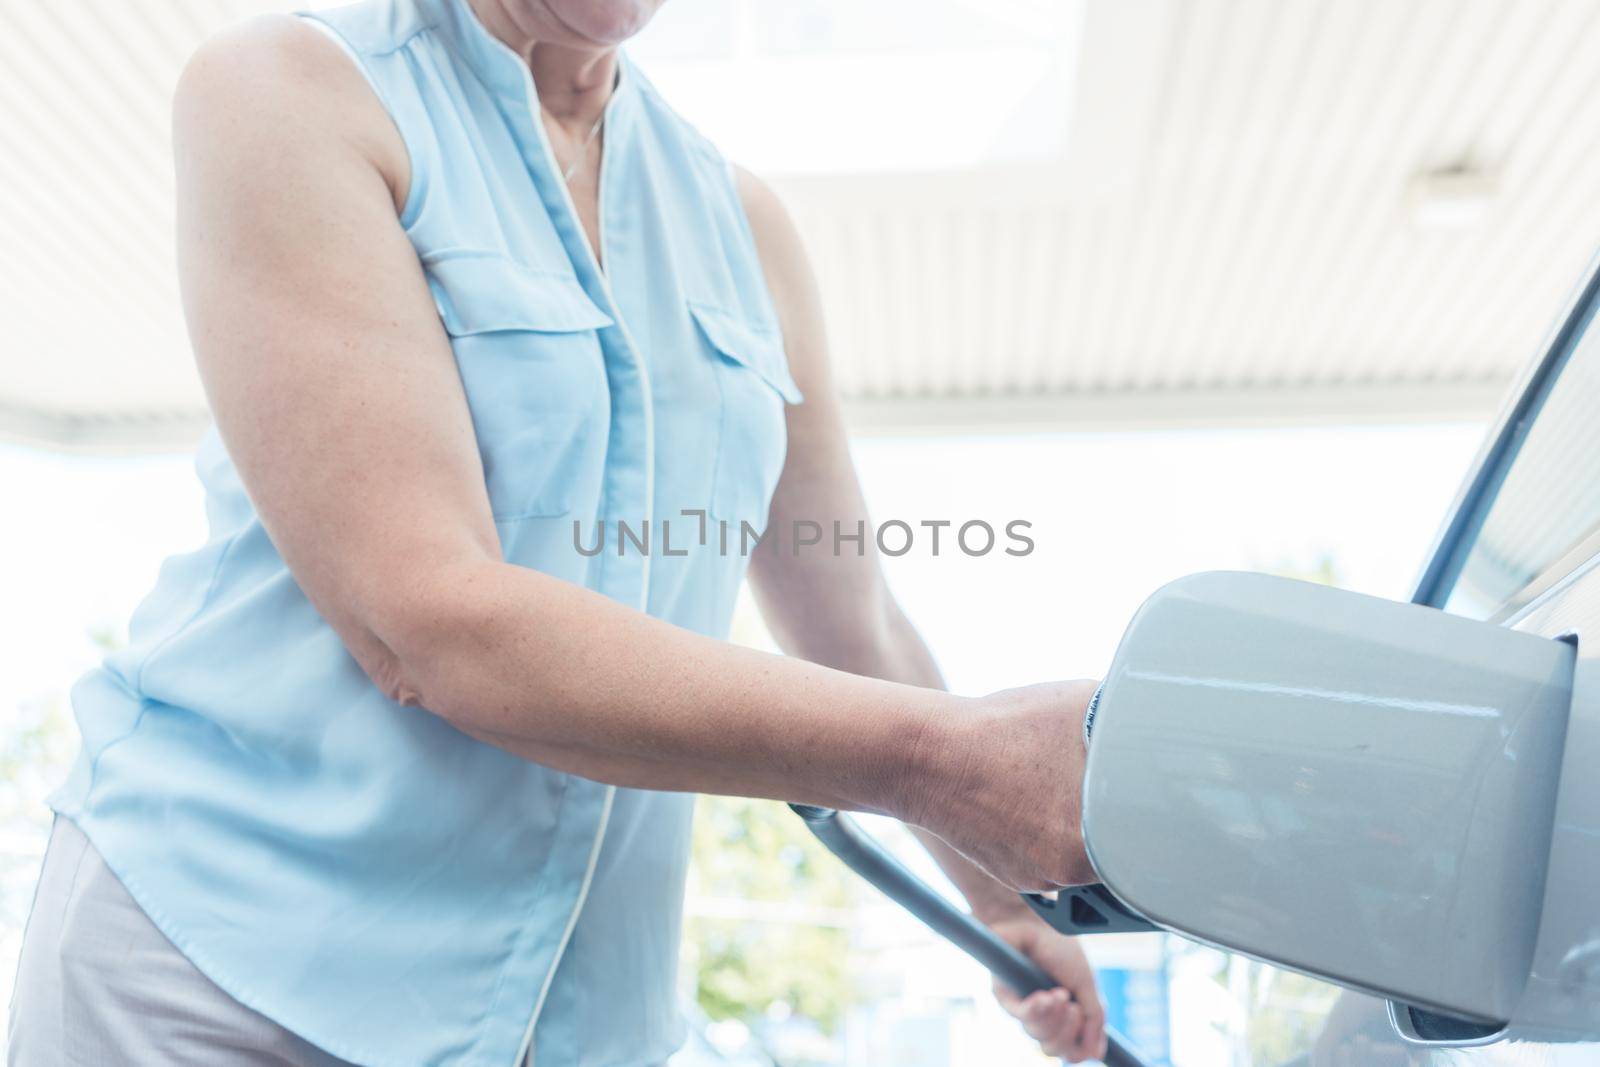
1136,1006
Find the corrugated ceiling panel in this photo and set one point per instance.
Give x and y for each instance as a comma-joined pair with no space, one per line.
1235,213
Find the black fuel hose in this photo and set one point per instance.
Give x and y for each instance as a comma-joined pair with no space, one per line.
845,839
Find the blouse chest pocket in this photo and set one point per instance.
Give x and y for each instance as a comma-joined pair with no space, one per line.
752,373
528,351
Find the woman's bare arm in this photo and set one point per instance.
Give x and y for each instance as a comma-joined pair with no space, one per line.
834,608
336,393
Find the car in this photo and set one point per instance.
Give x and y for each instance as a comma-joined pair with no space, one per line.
1399,798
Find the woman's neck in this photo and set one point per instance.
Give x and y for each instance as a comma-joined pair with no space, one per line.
574,83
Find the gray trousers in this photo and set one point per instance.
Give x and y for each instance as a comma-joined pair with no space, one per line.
98,984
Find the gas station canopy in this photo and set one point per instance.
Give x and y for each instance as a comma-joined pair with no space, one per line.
1024,213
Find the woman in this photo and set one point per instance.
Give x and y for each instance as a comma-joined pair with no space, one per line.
396,769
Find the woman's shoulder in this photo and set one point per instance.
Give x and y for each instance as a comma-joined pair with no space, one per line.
276,83
272,57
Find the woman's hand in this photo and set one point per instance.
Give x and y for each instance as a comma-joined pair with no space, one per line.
1068,1021
1004,786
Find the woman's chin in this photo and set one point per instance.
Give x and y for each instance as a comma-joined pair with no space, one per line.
605,22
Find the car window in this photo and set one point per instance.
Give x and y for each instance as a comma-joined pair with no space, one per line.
1543,516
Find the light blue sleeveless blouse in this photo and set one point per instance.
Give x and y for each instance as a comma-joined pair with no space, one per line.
360,872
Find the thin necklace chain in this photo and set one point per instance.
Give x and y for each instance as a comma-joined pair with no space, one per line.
583,149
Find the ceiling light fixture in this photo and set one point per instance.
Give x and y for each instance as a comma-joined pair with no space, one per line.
1457,197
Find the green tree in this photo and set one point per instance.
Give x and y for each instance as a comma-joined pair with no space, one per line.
767,928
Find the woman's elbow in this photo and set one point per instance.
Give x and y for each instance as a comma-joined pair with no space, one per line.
394,675
413,643
396,681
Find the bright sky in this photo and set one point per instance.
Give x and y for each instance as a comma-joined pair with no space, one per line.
1116,515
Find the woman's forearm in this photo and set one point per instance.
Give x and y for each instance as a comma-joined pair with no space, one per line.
902,656
561,675
887,646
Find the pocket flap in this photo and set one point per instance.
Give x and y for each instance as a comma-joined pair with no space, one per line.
758,347
481,292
